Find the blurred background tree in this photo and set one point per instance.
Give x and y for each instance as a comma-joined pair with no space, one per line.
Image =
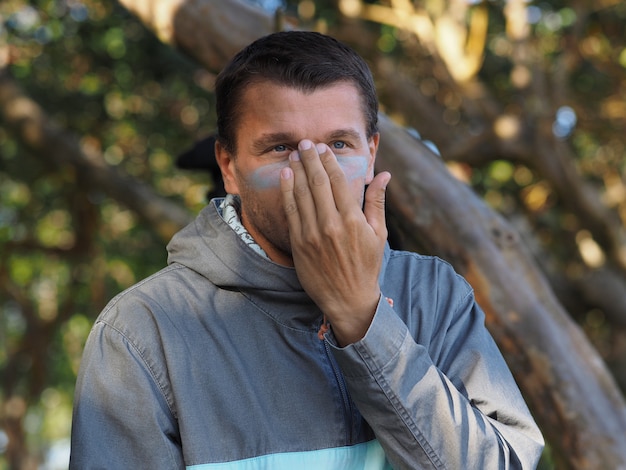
65,246
524,102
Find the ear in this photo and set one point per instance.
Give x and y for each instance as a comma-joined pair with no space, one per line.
226,162
373,148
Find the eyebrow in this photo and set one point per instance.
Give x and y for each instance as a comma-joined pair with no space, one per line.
344,133
271,138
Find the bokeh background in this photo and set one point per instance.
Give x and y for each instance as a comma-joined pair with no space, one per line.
524,101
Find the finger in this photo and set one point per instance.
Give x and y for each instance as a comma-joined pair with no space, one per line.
318,179
302,193
289,201
343,197
374,208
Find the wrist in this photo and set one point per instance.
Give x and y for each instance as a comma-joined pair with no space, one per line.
351,328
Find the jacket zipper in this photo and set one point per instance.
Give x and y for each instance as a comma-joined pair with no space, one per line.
347,403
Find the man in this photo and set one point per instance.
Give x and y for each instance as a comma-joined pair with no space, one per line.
285,333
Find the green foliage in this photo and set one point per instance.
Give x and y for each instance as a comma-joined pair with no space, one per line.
65,250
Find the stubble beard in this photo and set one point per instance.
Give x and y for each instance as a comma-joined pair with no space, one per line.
265,226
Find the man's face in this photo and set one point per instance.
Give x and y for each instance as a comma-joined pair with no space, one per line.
273,120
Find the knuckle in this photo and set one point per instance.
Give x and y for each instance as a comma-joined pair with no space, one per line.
327,158
352,219
291,208
301,191
330,230
335,176
312,240
319,179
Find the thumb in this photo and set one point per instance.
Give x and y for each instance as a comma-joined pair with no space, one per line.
374,208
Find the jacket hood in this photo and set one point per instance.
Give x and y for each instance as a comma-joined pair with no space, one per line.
209,246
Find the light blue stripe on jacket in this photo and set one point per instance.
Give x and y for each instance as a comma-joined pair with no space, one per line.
365,456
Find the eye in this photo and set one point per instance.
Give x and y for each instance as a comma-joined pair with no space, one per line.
280,148
339,145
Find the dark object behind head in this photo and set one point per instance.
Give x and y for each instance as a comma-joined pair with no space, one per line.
202,157
303,60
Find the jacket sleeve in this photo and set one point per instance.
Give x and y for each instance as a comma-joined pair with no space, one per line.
121,416
451,407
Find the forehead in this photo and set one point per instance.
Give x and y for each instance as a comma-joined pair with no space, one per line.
270,107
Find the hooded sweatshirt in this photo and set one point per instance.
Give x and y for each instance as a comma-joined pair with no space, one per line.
214,362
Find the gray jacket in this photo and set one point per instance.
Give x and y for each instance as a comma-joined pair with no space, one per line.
214,363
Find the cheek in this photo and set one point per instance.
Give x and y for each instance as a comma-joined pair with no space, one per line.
267,177
355,168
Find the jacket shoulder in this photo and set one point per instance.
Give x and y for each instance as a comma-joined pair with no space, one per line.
425,268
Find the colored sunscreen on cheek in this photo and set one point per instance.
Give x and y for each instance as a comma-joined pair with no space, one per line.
354,167
268,176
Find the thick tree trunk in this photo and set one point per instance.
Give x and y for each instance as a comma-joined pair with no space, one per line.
575,400
572,395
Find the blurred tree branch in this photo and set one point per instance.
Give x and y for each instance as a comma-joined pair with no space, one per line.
575,400
523,136
554,363
37,132
515,136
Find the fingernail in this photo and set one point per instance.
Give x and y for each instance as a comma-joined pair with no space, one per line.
294,156
388,180
321,148
305,145
285,173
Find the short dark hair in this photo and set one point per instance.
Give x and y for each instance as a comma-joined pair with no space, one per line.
303,60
